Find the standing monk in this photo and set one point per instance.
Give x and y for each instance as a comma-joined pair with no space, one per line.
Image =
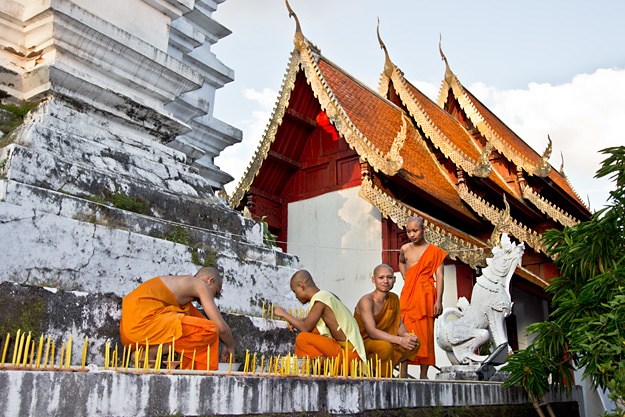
336,327
160,309
381,328
421,300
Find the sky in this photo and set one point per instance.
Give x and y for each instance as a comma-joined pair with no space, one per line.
544,67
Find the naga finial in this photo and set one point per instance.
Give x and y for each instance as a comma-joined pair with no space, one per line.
543,169
299,36
388,64
484,166
501,226
448,74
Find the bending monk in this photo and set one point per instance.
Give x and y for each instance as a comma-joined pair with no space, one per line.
421,300
382,330
161,308
336,326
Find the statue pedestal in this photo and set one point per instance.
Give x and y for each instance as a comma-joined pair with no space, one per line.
466,373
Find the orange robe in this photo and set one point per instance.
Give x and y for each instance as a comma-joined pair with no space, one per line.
387,320
151,312
417,302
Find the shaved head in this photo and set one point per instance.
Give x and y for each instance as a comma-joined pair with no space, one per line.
302,277
377,268
209,272
415,219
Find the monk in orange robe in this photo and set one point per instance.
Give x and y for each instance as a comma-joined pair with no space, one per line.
160,311
385,336
421,300
336,328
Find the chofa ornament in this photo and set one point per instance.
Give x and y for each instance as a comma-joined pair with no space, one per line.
483,318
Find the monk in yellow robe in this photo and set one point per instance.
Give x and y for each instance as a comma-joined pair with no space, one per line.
421,300
160,311
385,336
336,327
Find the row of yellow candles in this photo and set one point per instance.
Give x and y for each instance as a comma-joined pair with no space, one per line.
279,365
268,313
24,343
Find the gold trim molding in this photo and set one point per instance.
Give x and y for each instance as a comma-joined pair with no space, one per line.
387,164
451,81
498,218
440,141
398,213
270,132
547,207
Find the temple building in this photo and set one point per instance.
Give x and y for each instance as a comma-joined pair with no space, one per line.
341,167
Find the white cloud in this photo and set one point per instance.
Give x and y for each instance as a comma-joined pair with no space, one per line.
265,98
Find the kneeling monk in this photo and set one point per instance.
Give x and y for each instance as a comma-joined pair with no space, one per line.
160,309
336,326
382,330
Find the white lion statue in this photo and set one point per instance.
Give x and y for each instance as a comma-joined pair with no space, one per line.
484,317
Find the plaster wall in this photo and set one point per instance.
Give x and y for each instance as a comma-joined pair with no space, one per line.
338,238
135,17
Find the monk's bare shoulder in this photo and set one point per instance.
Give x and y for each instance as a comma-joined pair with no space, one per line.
366,301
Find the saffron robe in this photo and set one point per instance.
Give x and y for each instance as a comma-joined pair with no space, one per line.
152,312
387,320
323,344
417,302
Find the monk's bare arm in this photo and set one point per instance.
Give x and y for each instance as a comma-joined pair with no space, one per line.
306,324
365,305
402,261
438,305
205,296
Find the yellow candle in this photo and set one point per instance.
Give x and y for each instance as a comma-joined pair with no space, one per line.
173,349
159,358
69,351
84,352
146,364
193,359
26,346
181,358
32,353
115,356
52,356
107,348
262,362
39,351
271,311
247,360
128,358
62,354
137,357
17,342
169,359
6,345
230,367
254,364
208,360
263,313
124,358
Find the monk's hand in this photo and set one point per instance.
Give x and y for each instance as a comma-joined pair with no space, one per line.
279,312
408,342
225,353
438,308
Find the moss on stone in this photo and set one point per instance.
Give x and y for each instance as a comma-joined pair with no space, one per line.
12,117
28,319
125,202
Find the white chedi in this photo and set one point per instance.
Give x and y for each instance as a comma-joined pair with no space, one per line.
483,319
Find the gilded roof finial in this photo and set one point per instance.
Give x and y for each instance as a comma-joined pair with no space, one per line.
299,36
562,165
501,226
484,166
388,64
543,169
449,76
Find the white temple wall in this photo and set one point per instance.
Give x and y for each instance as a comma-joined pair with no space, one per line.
340,251
528,309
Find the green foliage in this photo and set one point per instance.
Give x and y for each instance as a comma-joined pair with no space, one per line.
178,235
15,116
587,327
209,259
125,202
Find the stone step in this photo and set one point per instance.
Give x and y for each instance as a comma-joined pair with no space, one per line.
46,170
54,251
244,242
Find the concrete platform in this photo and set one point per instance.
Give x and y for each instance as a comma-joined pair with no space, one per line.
128,394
